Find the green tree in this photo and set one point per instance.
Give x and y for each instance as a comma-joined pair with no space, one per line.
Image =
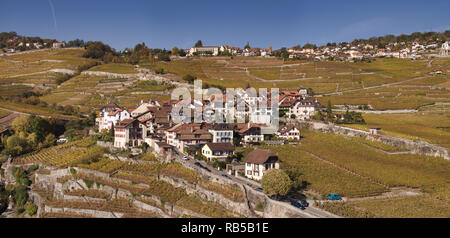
175,51
276,182
198,44
4,194
189,78
329,110
97,50
247,46
20,195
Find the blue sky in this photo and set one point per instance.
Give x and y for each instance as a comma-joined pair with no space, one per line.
168,23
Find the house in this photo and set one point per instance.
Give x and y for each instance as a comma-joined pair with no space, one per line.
260,114
162,148
144,107
303,109
259,162
221,132
303,92
57,45
109,107
128,133
289,132
190,137
204,50
218,151
230,49
374,130
183,135
250,133
109,119
266,52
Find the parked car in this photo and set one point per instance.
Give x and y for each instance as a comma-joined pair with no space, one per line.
226,176
202,166
334,196
259,189
297,205
206,168
304,203
185,158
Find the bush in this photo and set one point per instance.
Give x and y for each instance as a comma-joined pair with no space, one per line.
33,168
159,71
259,207
73,171
88,183
30,209
189,78
20,195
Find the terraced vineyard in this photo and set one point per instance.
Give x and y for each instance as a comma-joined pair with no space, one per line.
417,171
62,156
322,177
403,207
425,126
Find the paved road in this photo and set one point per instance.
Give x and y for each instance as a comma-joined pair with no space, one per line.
310,212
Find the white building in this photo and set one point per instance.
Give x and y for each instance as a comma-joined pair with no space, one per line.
144,107
258,162
222,132
250,133
111,118
213,50
303,109
128,133
218,151
289,132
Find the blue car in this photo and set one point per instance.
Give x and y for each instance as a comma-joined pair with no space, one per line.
334,196
226,176
297,205
304,203
259,189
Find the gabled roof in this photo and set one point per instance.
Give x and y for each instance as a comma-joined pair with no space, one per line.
222,126
243,128
125,123
220,146
286,128
259,156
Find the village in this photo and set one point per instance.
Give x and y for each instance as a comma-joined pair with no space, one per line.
339,52
150,125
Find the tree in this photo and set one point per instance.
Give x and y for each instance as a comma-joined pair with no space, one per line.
276,182
329,110
247,46
309,46
175,51
198,44
3,199
97,50
189,78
